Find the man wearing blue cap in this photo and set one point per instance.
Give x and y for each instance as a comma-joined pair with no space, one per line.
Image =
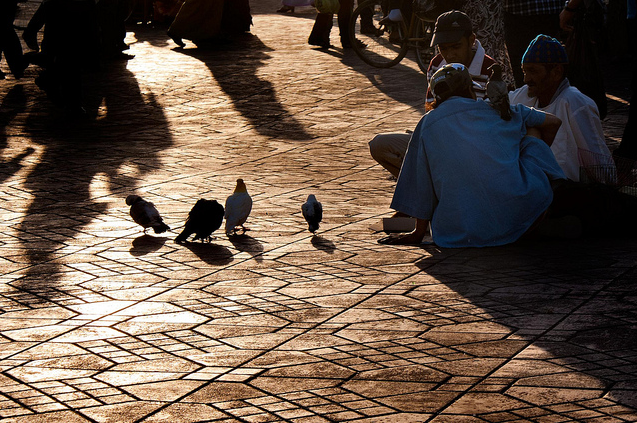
547,89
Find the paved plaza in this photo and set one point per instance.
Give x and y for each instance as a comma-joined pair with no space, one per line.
102,323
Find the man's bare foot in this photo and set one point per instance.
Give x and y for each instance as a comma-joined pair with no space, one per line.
403,239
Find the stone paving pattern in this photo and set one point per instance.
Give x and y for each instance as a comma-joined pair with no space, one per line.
101,323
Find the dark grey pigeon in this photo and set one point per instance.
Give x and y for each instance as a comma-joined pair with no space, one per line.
145,214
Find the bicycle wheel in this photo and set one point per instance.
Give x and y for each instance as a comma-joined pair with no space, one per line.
424,52
378,45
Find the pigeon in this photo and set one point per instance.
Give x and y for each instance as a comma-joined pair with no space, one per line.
312,212
145,214
497,92
204,218
238,207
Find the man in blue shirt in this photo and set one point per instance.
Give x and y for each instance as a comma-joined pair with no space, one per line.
479,180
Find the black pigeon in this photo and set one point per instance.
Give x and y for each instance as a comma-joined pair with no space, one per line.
145,214
497,92
204,218
312,212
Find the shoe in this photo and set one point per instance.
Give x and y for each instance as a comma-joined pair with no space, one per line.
286,9
370,30
359,44
177,40
319,43
123,56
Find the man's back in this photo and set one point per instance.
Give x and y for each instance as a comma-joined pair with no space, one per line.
477,182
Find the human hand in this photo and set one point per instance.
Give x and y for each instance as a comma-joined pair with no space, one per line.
534,132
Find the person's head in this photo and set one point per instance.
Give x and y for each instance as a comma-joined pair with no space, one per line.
451,80
544,66
453,34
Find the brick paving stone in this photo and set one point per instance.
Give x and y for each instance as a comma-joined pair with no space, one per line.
101,323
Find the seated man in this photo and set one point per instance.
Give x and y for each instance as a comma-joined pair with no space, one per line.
480,180
453,34
547,89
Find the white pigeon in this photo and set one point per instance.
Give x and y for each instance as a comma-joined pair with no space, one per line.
312,212
145,214
238,207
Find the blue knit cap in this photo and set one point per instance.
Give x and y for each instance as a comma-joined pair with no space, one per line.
545,49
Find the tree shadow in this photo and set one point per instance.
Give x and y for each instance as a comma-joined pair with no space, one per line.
117,144
570,305
210,253
246,243
234,66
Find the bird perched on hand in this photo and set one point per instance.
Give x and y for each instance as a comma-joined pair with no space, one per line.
204,218
312,212
497,92
238,207
145,214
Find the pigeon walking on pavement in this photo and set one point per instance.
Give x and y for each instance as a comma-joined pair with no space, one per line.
498,93
145,214
238,207
204,218
312,212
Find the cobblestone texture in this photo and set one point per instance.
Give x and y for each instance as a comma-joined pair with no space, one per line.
101,323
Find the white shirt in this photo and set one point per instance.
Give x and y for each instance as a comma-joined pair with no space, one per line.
581,127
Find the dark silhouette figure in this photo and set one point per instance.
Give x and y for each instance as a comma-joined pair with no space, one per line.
70,45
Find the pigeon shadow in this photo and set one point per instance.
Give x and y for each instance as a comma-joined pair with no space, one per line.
145,244
247,244
323,244
210,253
255,98
566,303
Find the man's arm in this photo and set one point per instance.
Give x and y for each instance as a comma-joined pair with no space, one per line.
547,130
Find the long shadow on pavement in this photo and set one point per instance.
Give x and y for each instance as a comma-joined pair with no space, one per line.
234,66
553,322
120,145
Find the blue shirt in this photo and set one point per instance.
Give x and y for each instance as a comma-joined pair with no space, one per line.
477,178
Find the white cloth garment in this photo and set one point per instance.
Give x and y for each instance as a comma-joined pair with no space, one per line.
581,127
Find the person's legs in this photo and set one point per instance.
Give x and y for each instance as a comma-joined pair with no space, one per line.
389,150
12,49
601,210
320,35
344,16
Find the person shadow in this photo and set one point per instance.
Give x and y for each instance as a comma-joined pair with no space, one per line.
13,103
251,95
551,317
116,145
